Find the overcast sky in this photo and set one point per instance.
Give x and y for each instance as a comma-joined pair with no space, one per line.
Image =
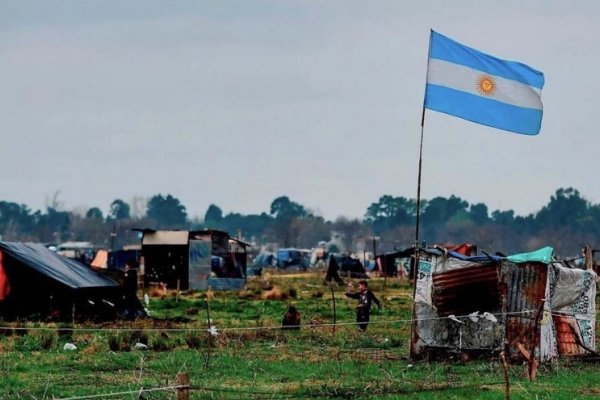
238,102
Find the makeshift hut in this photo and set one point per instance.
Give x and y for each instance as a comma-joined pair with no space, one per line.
344,266
117,259
401,263
293,259
523,304
42,284
397,263
194,259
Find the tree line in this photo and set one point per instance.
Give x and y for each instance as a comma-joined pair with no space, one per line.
567,222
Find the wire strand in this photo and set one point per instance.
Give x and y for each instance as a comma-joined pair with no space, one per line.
250,328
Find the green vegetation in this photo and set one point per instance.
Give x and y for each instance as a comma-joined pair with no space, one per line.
251,358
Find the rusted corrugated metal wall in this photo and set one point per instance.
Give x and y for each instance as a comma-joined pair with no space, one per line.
540,308
448,286
528,315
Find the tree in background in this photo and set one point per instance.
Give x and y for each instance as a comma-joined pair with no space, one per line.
311,230
567,222
94,213
349,230
389,212
440,211
167,212
251,226
478,213
213,217
54,226
90,227
505,218
566,208
16,221
119,210
285,212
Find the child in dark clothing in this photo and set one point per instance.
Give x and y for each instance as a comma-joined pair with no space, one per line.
365,297
291,319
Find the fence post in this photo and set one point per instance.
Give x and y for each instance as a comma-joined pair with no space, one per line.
209,333
506,379
334,309
182,393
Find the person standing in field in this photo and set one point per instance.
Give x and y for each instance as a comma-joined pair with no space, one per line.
365,298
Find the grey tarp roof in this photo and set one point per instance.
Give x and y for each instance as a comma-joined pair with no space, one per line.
62,269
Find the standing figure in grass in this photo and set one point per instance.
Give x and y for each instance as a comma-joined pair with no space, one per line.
365,298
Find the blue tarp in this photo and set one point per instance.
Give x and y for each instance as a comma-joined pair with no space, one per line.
543,255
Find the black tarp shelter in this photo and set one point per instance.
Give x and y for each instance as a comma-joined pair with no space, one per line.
46,285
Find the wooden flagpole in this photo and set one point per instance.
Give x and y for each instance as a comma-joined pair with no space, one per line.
419,181
415,268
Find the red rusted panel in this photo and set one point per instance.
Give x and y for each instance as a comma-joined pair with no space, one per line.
526,287
465,290
565,336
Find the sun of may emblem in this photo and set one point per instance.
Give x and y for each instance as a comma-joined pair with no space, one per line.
486,85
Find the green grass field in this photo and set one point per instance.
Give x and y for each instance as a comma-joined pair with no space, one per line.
250,359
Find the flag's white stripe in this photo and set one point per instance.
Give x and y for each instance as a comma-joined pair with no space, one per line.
459,77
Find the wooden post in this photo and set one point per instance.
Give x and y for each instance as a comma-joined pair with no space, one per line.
141,275
506,378
182,393
384,272
588,256
207,360
334,310
532,363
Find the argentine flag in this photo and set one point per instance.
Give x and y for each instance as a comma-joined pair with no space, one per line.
469,84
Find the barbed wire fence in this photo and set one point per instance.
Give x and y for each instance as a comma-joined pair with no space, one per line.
212,331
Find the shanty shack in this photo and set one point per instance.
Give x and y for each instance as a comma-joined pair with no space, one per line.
194,259
401,262
41,284
528,303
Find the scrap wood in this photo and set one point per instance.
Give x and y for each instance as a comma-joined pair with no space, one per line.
506,377
532,363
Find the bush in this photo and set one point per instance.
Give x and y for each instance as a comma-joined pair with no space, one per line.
47,339
119,341
139,336
193,340
161,342
65,331
293,292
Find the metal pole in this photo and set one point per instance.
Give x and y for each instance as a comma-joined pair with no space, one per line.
112,237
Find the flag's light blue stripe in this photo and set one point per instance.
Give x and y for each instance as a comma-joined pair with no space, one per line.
526,121
444,48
